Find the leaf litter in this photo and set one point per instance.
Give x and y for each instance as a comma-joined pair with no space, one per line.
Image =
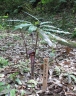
62,67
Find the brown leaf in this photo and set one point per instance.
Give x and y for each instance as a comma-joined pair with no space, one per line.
67,62
68,50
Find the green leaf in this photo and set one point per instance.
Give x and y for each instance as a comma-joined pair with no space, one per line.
56,38
2,83
22,92
61,40
52,54
56,31
73,77
8,86
32,83
21,26
3,62
50,28
2,86
18,81
5,16
57,70
32,29
12,92
47,22
26,70
46,38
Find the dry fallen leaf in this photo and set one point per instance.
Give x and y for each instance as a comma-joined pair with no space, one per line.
66,62
68,50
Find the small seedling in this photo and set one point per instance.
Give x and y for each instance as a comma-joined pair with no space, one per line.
13,76
13,92
2,86
71,77
4,89
3,62
57,71
31,83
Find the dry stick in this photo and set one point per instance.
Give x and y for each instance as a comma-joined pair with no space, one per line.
24,42
45,73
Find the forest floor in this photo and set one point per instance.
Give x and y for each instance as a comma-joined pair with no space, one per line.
16,75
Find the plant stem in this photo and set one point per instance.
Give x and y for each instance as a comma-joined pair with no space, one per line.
36,41
24,42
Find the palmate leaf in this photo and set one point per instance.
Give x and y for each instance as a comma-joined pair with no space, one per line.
45,30
46,38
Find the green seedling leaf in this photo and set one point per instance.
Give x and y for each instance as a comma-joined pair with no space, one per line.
52,54
8,86
2,86
2,83
22,92
19,81
26,70
12,92
3,62
13,76
73,77
57,70
69,78
32,83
